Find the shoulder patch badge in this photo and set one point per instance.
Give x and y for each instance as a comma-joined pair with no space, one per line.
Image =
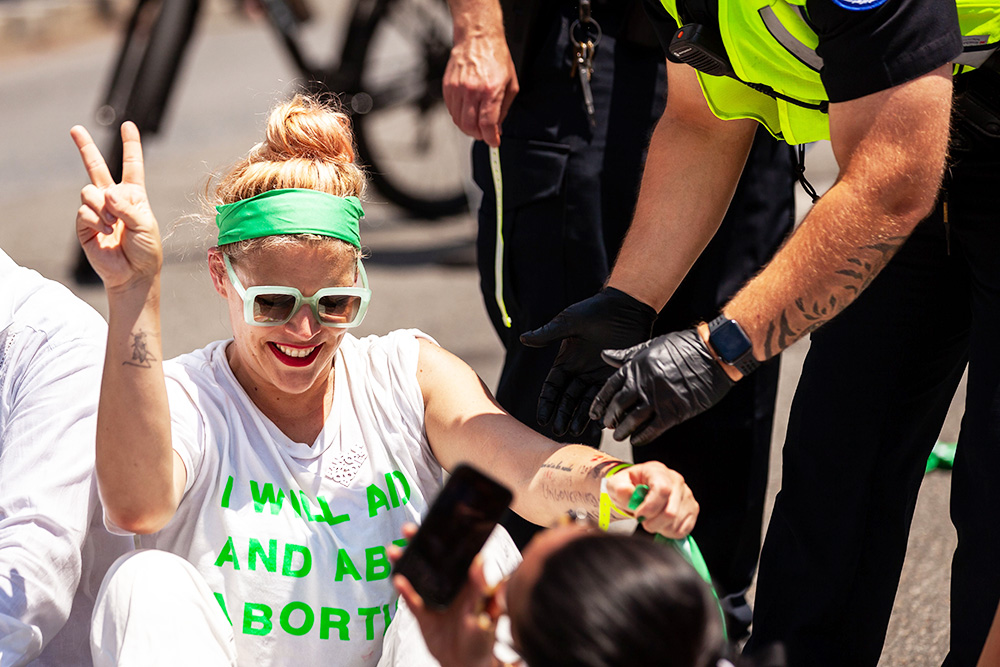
859,5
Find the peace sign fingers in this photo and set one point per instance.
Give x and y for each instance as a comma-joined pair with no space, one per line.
115,223
97,169
132,166
93,161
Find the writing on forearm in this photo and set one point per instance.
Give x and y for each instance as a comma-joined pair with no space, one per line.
580,501
141,356
558,465
809,313
572,482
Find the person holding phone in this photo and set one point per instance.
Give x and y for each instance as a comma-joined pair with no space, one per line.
672,616
270,472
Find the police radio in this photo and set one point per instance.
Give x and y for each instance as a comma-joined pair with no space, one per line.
697,45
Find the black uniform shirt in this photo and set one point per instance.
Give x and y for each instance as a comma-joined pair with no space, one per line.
865,51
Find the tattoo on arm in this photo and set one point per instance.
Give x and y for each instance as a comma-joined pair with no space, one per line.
141,356
810,316
769,350
786,335
599,466
602,468
578,501
561,482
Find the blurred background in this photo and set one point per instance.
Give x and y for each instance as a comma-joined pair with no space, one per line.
56,62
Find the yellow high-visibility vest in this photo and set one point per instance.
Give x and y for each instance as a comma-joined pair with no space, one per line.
769,42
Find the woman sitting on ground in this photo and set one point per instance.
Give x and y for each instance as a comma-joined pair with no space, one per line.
279,465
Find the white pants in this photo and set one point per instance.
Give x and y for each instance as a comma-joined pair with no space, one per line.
154,609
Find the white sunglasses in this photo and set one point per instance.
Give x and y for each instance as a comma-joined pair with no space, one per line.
271,305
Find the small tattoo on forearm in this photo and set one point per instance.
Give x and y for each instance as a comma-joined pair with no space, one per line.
786,336
141,357
769,350
602,468
850,273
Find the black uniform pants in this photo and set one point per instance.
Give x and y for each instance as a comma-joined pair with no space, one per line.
569,193
879,378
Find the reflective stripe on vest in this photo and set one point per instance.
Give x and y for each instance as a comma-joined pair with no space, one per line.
975,57
780,33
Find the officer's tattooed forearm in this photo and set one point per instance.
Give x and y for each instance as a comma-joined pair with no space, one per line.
806,316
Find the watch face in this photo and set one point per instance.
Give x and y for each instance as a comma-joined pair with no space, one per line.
729,341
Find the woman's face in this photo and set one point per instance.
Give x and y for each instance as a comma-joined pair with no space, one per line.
294,358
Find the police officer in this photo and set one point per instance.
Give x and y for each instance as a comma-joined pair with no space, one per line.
569,184
917,270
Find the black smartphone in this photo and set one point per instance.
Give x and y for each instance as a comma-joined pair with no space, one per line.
437,559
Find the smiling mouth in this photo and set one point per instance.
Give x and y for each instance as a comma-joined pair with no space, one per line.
294,356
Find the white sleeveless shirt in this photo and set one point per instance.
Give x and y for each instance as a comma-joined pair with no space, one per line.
292,538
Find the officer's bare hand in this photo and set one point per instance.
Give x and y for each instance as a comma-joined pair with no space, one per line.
479,81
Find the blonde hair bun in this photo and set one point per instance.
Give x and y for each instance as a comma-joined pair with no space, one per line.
308,144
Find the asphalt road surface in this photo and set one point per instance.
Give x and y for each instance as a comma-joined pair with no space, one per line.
419,271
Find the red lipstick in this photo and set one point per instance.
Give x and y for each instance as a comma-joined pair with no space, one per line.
297,362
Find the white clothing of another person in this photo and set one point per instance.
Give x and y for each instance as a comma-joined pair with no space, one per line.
54,551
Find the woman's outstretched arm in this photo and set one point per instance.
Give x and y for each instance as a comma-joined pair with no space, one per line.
140,477
465,424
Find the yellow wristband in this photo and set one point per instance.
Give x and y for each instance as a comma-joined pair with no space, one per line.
605,506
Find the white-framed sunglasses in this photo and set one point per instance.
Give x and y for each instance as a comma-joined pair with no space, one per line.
271,305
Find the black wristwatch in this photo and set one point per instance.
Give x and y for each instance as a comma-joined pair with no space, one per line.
732,344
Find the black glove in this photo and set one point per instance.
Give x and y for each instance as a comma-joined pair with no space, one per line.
659,384
609,319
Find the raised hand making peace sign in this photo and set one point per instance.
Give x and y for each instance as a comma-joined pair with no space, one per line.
115,223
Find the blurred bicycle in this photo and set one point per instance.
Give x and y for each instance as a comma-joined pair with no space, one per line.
388,74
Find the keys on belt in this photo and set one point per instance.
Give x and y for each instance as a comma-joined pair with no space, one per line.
585,33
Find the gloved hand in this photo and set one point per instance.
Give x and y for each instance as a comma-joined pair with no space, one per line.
609,319
659,384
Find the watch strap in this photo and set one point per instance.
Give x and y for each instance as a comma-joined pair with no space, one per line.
744,362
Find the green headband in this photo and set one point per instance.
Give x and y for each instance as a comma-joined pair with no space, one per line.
290,211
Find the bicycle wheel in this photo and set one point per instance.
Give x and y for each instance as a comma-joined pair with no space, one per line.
417,158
